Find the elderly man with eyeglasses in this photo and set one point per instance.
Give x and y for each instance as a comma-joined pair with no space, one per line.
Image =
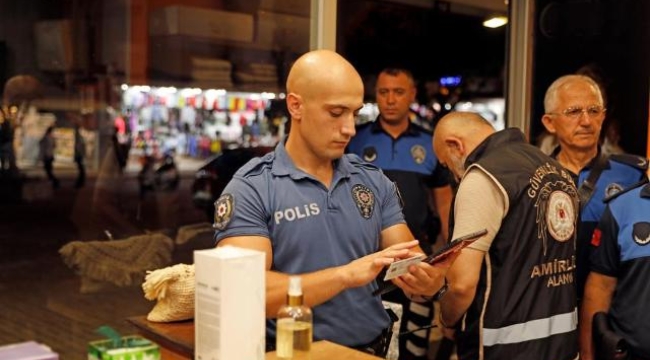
574,113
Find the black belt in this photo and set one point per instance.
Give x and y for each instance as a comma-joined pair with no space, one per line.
379,346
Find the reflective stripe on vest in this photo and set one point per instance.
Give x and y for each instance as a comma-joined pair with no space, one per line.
532,330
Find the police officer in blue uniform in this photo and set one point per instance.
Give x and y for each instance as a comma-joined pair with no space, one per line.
404,152
620,265
574,113
326,216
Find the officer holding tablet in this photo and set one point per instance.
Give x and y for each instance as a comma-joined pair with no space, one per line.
328,217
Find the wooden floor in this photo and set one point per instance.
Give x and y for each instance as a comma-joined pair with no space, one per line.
39,295
42,302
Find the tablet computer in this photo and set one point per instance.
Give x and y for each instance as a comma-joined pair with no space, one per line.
457,244
454,245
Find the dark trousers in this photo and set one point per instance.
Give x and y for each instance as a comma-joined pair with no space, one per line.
81,172
48,165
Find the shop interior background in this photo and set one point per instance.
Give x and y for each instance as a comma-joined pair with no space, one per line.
161,77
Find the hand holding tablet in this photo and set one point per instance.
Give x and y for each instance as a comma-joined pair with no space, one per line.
400,267
453,246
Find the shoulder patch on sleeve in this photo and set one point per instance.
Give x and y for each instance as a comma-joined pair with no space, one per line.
223,209
631,187
638,162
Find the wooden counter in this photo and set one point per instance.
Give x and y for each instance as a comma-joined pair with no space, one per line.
176,342
325,350
176,339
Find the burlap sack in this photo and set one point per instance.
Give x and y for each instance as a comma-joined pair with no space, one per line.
108,265
173,288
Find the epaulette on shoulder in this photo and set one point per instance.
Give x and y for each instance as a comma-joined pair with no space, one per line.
638,162
357,162
423,127
629,188
256,165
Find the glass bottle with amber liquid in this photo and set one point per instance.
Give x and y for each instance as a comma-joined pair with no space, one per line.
294,325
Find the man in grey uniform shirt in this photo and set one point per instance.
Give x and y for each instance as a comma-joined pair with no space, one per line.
328,217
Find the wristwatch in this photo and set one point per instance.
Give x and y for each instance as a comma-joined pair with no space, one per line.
435,297
441,292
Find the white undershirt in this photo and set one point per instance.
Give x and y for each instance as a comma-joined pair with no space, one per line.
481,203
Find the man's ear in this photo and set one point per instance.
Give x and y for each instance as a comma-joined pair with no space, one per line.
294,105
456,144
547,120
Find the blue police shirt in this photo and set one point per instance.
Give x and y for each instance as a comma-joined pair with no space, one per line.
621,251
409,161
312,228
620,173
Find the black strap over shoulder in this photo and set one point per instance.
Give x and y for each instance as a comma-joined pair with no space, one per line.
586,189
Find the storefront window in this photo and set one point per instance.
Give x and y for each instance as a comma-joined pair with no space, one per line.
121,121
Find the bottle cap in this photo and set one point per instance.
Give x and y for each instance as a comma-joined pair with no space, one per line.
295,286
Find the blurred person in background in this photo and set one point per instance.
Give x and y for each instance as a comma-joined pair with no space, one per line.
574,112
404,152
47,145
79,157
7,154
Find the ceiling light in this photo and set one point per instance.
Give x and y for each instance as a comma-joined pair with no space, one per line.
495,21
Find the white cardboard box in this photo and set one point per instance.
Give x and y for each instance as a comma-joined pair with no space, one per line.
200,22
29,350
230,304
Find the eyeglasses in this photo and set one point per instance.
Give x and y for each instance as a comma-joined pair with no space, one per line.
575,112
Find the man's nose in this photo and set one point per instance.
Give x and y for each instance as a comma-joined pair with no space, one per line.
585,119
349,126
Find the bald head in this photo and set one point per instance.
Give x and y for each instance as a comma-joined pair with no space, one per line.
466,126
456,135
321,71
324,97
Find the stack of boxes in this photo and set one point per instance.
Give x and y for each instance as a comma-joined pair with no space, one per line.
181,37
215,71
